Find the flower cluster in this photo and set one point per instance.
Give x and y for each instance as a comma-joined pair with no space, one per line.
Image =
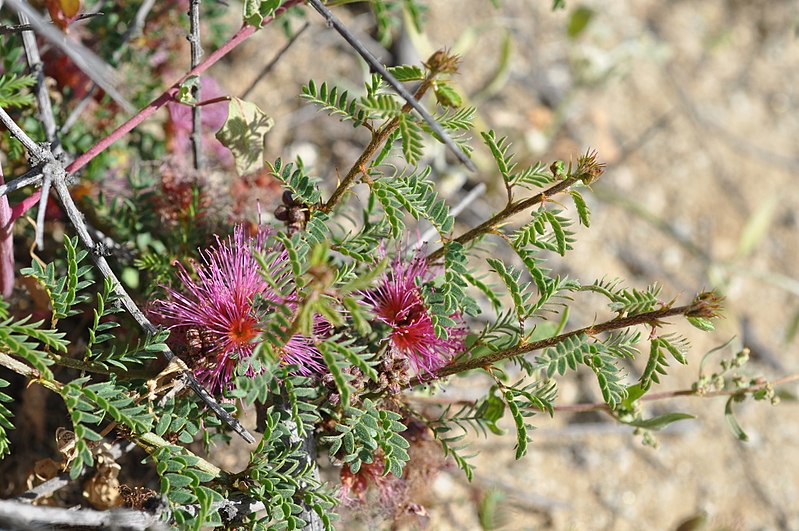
398,302
223,303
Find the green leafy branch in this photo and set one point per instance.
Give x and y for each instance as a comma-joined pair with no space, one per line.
64,290
12,90
363,431
5,422
479,416
523,402
398,124
586,171
705,306
281,476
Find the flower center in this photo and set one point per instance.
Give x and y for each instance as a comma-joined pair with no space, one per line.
243,330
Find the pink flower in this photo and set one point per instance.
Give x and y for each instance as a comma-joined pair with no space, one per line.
355,485
398,303
226,302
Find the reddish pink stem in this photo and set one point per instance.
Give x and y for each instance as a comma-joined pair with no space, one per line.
25,205
242,35
212,101
6,246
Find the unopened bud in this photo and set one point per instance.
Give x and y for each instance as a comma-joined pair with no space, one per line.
442,62
588,168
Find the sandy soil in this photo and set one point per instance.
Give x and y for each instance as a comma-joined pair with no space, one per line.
694,108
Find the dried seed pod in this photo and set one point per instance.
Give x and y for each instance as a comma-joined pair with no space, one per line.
293,213
138,497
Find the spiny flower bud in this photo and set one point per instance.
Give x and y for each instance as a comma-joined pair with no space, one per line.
442,62
706,305
588,169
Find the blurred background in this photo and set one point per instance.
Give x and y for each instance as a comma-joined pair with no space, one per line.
693,106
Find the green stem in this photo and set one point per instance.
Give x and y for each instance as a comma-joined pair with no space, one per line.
151,442
586,407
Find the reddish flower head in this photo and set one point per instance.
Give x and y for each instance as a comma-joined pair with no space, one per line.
221,303
398,303
355,485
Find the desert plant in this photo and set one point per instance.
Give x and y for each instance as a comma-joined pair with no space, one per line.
322,317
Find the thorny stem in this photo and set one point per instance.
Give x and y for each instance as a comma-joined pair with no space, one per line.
58,177
379,137
509,211
27,27
486,361
46,116
29,177
196,113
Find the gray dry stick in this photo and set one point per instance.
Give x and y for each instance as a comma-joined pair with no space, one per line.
336,24
58,175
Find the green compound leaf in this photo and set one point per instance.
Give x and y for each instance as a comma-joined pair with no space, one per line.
5,422
521,428
447,96
511,278
412,142
334,102
405,73
583,212
705,325
12,90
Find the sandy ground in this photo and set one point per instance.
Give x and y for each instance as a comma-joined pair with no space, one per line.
694,108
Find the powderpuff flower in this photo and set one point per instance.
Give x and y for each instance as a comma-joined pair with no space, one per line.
223,303
398,303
